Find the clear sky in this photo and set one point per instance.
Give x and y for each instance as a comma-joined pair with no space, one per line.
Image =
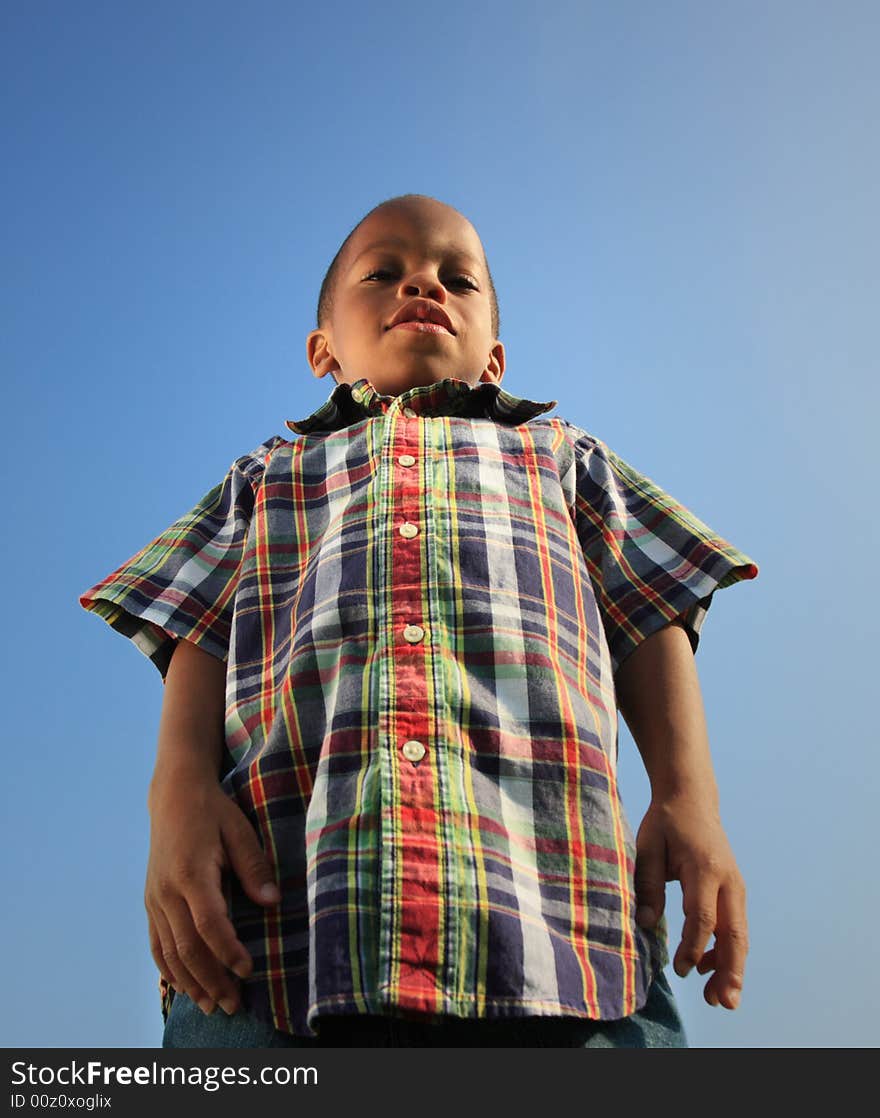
679,205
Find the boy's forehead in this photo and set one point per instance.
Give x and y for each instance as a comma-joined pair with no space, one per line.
438,229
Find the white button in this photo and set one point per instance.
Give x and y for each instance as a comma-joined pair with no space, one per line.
409,413
413,751
413,633
408,531
357,395
406,460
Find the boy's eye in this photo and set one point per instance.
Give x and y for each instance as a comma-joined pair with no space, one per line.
453,281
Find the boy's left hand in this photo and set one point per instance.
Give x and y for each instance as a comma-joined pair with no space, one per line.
682,839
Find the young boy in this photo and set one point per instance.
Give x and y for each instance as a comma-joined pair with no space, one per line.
384,809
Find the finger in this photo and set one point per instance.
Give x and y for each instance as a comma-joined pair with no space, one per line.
700,904
196,959
212,924
731,947
182,981
707,963
156,951
247,858
650,882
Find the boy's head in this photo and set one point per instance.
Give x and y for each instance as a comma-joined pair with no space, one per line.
408,301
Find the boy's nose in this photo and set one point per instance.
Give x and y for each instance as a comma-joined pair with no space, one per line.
424,285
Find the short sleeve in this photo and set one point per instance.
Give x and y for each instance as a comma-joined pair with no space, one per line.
651,561
182,585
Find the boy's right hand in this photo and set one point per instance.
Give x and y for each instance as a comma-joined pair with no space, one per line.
197,833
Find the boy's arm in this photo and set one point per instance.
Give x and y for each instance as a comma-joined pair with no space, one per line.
196,833
681,837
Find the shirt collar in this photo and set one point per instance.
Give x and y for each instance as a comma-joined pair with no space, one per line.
350,403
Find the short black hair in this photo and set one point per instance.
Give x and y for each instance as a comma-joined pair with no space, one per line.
325,298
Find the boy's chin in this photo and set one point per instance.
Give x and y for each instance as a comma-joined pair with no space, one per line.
395,384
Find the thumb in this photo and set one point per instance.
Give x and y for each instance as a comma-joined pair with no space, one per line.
650,881
247,858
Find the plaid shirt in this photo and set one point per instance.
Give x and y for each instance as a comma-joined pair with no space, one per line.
422,602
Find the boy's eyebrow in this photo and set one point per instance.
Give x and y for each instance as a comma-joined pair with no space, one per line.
401,242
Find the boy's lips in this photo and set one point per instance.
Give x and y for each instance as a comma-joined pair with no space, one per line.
423,315
422,327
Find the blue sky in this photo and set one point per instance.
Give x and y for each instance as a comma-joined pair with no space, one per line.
678,202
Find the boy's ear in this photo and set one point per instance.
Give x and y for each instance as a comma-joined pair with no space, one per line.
494,370
320,353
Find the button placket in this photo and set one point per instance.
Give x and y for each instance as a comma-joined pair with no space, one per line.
408,504
407,717
411,714
408,529
412,634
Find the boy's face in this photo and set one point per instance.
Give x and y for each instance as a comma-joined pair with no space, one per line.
411,304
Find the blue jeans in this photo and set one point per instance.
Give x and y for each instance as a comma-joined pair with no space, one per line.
656,1025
